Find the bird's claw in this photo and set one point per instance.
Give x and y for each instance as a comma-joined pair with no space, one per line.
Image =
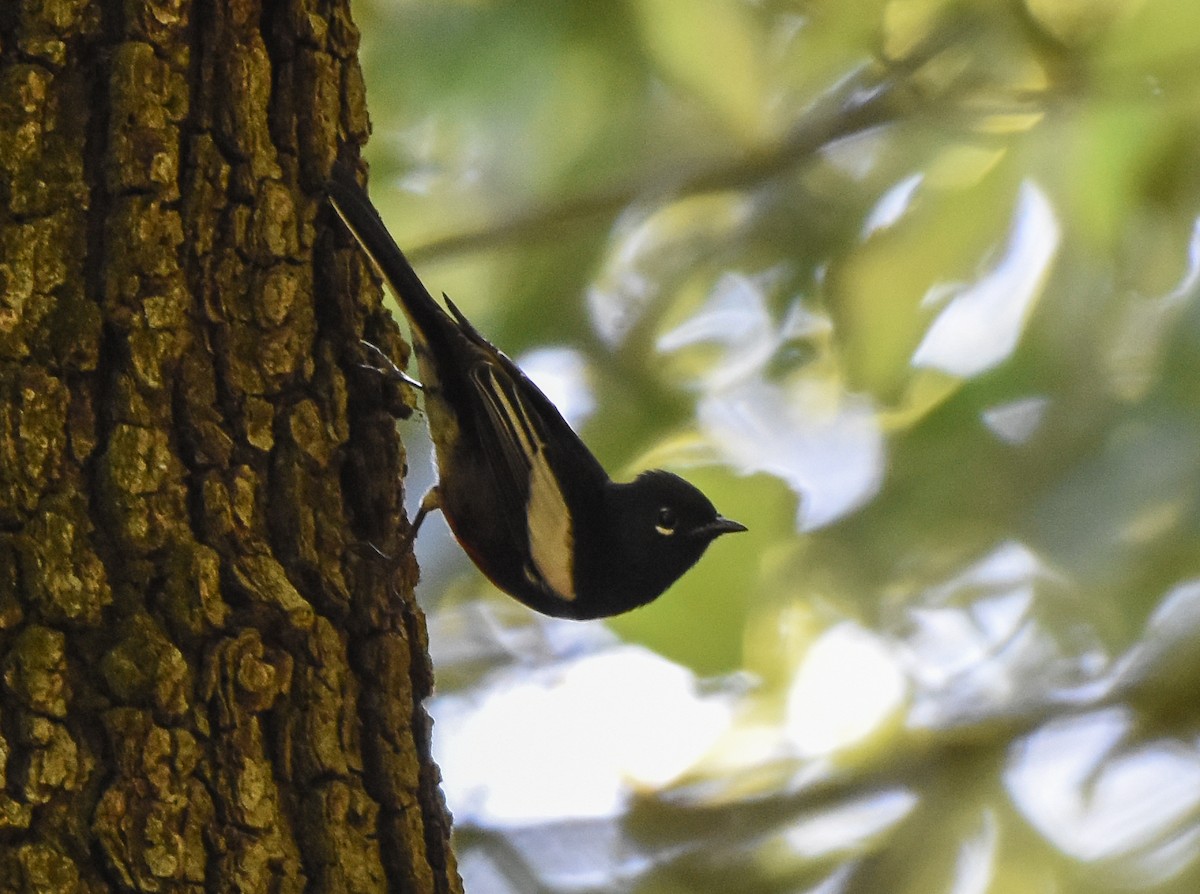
385,366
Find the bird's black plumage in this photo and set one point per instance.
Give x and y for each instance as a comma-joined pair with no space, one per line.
527,500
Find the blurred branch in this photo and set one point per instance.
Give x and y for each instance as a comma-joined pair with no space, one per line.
704,812
864,100
678,817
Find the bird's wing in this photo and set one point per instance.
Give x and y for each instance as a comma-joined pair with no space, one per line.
522,448
550,424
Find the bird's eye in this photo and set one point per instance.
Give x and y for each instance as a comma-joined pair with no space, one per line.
666,521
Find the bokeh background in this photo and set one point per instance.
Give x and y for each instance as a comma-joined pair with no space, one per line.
909,288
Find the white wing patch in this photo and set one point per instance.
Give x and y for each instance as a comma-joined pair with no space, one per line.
551,538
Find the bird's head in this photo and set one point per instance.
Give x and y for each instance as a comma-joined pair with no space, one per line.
659,527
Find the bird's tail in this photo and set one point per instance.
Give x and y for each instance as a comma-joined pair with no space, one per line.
354,207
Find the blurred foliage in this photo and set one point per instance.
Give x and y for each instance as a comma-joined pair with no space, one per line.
910,288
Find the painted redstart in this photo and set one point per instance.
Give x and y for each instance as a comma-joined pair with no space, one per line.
527,500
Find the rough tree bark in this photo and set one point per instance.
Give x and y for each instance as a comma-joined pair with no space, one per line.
205,684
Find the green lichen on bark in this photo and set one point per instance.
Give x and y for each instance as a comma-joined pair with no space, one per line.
35,671
191,603
40,868
36,266
140,481
263,579
65,581
148,99
33,422
146,668
149,823
34,677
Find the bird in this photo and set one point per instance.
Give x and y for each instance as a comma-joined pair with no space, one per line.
523,495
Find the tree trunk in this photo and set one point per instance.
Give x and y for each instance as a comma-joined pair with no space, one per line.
206,681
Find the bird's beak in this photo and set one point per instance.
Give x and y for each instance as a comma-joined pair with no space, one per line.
721,525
